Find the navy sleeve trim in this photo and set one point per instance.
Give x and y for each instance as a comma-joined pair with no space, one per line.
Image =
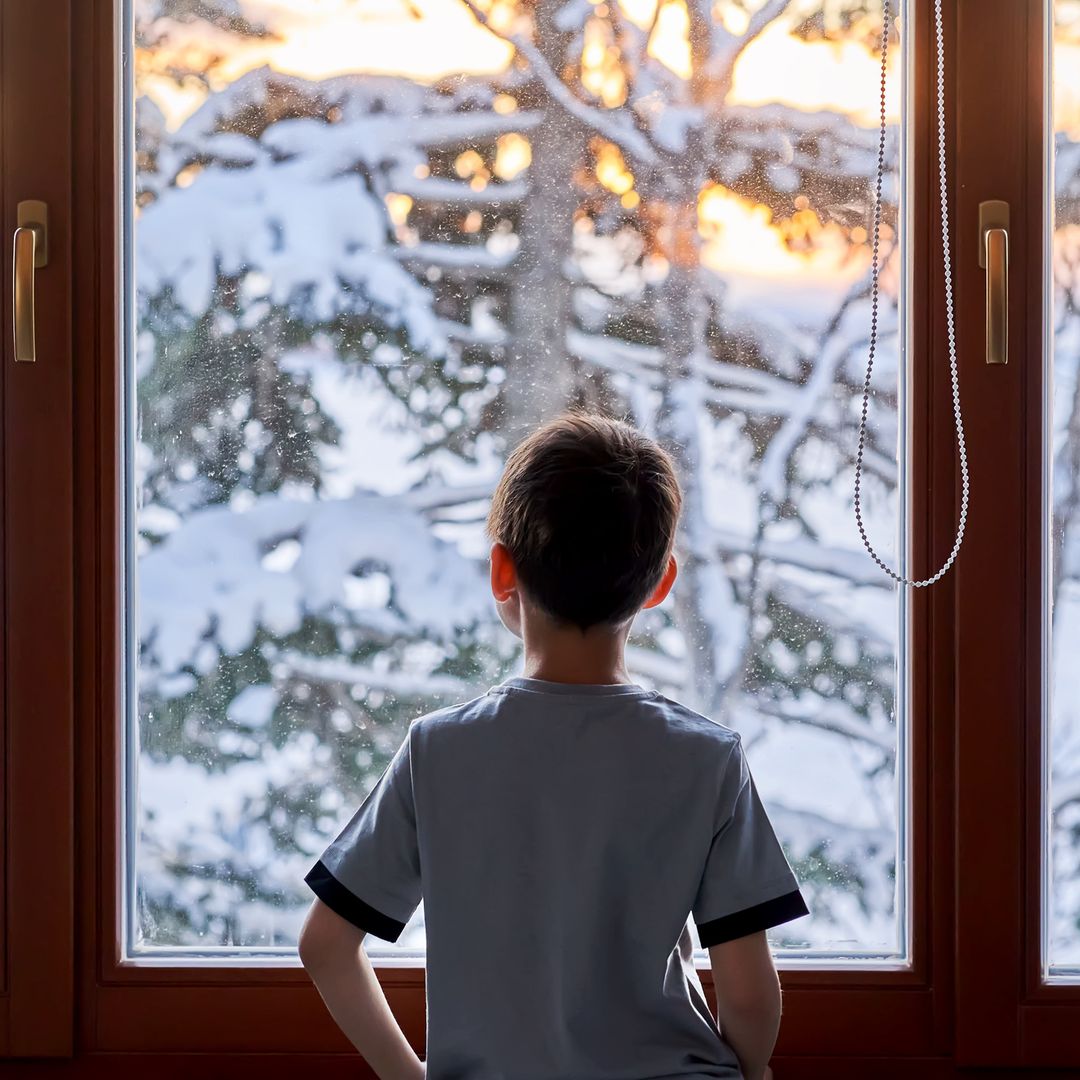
350,907
751,920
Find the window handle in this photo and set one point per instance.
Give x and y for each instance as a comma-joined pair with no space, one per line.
30,252
994,259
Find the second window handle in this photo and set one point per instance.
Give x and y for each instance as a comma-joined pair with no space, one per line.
994,258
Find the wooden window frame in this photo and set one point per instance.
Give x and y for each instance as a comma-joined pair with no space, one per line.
971,994
36,774
1007,1015
133,1006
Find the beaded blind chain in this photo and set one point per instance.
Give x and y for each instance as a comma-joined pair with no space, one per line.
954,374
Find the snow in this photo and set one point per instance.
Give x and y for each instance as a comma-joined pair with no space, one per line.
288,635
253,706
306,231
805,770
377,451
1064,689
205,581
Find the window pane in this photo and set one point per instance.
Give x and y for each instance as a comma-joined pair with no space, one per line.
1062,924
373,244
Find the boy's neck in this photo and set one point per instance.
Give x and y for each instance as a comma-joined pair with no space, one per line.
596,657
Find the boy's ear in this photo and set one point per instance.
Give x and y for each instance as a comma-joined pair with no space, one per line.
660,592
503,573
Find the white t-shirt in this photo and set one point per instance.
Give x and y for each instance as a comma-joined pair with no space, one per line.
561,836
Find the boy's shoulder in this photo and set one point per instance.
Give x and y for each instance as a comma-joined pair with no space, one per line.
673,714
681,718
451,715
664,716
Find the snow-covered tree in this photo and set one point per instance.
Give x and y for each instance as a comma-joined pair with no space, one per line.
1065,544
353,294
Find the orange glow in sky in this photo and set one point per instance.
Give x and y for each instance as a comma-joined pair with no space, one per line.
739,236
814,76
1067,88
670,41
429,39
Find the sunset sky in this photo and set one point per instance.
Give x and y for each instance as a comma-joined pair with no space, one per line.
429,39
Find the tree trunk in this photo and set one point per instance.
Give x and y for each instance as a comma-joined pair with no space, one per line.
704,601
540,378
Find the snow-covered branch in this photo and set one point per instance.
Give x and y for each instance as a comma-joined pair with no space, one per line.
611,125
851,564
827,715
411,684
728,47
443,189
210,579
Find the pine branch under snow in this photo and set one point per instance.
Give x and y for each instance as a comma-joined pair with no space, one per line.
419,684
207,578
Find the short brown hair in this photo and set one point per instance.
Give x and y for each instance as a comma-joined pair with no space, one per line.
587,508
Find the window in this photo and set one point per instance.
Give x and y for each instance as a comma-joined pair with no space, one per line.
178,648
1062,955
364,264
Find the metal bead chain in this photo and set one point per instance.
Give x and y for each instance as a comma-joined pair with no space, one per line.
954,374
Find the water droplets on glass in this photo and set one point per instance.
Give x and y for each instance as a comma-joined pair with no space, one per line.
361,275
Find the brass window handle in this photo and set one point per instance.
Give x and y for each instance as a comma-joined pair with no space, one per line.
994,259
997,296
30,251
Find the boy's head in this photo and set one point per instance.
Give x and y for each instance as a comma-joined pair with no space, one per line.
586,510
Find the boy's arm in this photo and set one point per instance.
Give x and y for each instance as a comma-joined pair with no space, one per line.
342,973
747,1000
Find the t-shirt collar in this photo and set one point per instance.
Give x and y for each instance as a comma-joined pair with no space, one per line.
544,686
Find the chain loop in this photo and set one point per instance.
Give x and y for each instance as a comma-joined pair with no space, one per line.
954,374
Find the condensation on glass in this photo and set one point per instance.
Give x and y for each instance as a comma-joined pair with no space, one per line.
374,243
1061,918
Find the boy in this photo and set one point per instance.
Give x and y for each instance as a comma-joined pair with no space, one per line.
563,827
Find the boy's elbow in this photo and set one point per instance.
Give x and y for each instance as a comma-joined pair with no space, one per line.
326,939
744,976
757,997
308,948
